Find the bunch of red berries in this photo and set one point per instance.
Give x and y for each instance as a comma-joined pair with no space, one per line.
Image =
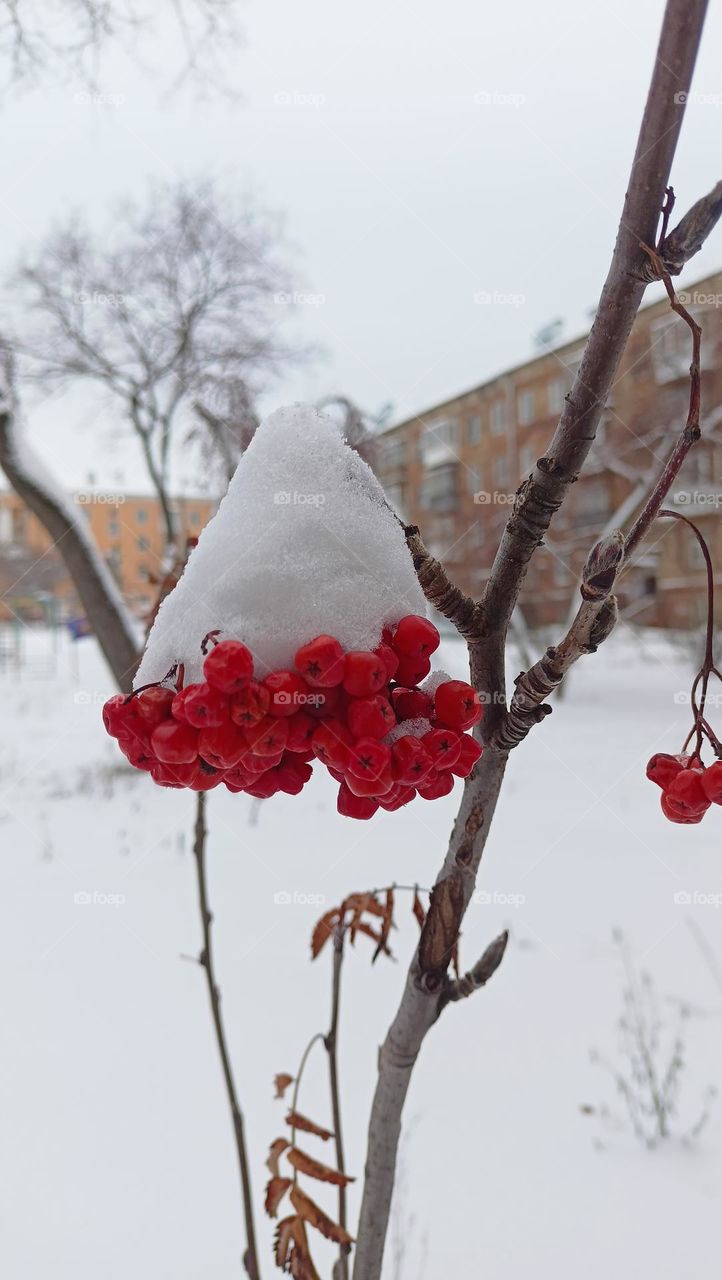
346,709
688,786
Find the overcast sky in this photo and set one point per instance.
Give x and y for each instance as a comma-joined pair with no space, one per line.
422,154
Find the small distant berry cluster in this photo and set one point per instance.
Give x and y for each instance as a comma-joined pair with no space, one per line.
688,787
341,708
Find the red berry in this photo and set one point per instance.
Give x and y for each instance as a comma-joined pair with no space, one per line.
410,761
685,793
254,764
221,746
370,717
412,704
201,706
118,712
469,752
292,775
352,806
229,666
415,637
263,787
250,705
712,782
205,777
678,815
662,768
237,779
154,705
289,692
412,668
444,746
174,743
174,775
389,658
396,798
332,744
138,753
301,729
324,703
268,737
457,705
321,662
364,673
436,785
370,764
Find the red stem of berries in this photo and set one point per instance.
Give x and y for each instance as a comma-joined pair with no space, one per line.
689,787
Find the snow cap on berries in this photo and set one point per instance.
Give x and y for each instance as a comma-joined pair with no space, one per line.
302,544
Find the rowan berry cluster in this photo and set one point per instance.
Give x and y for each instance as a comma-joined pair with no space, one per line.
688,786
342,708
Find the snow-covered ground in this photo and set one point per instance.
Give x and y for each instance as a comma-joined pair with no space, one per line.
116,1152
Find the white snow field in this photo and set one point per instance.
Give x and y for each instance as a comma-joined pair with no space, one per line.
116,1152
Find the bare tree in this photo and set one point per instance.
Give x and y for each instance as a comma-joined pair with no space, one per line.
173,313
41,41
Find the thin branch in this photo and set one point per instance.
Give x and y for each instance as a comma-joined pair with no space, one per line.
687,238
440,591
331,1042
478,976
250,1256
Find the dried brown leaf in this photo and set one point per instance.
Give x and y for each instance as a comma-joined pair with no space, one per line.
282,1241
309,1210
323,930
281,1083
418,909
315,1169
297,1121
302,1267
276,1150
275,1191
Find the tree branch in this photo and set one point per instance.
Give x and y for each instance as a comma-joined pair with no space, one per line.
688,236
250,1256
537,501
99,596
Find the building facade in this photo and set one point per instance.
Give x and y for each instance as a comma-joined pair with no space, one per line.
454,468
129,532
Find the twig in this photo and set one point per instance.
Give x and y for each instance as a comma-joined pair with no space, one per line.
440,591
478,976
331,1043
250,1256
676,248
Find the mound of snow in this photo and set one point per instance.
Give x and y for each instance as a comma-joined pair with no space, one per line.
302,544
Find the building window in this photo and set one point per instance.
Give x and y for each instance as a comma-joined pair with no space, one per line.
439,489
393,455
556,391
141,515
527,459
113,528
473,429
525,406
395,495
497,417
438,442
143,544
500,470
194,518
473,481
670,349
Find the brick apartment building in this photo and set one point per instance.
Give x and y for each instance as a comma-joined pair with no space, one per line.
453,469
128,530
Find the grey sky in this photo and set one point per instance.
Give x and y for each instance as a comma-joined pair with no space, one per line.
427,154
